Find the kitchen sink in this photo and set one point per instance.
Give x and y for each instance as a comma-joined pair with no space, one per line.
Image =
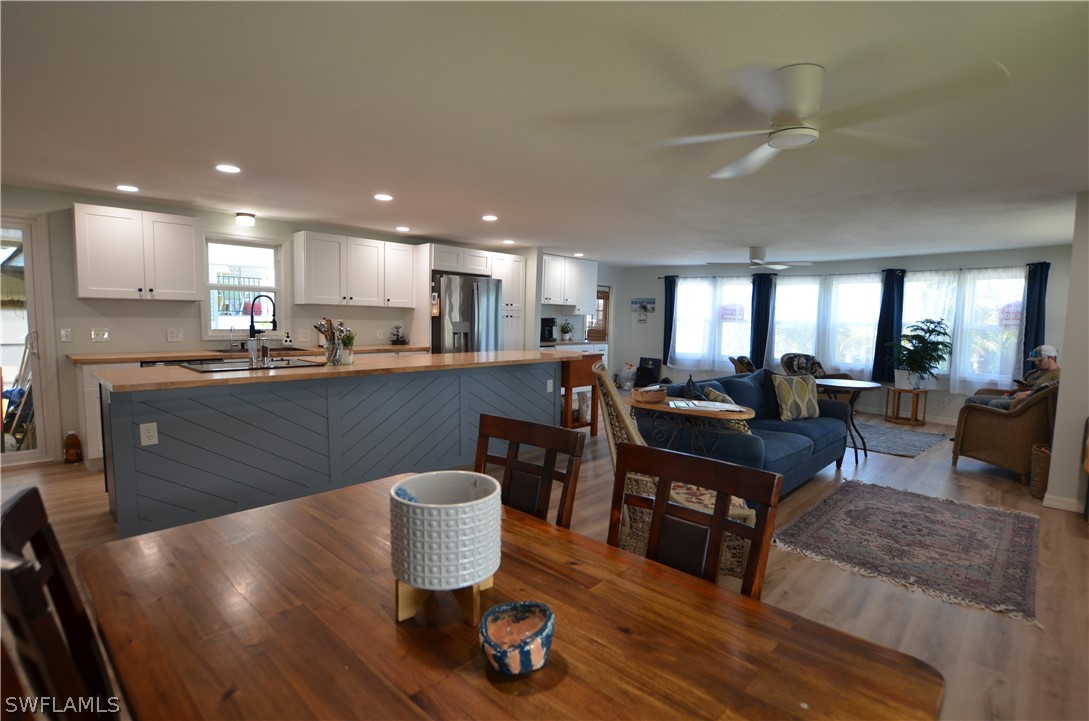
243,364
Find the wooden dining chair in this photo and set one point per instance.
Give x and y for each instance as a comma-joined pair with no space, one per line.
52,634
531,463
687,538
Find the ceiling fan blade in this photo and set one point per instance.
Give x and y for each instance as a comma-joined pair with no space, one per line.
769,266
786,94
988,78
756,84
747,164
709,138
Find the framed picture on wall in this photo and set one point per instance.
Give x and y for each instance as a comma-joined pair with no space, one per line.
642,305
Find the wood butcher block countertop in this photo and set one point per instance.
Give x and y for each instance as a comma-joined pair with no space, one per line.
126,380
190,355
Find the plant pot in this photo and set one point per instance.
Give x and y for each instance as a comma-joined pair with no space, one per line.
565,336
346,356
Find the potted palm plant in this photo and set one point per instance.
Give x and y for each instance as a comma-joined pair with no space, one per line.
921,350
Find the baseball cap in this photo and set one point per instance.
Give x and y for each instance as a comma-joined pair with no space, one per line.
1043,351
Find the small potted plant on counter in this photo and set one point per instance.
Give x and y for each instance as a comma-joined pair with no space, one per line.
347,341
565,330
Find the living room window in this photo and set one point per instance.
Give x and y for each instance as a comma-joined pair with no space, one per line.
794,328
989,332
713,322
930,294
238,271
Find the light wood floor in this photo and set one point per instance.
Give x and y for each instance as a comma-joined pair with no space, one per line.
995,667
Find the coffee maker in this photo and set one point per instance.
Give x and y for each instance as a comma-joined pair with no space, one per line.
548,330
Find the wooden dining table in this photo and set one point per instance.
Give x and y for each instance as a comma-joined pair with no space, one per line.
288,612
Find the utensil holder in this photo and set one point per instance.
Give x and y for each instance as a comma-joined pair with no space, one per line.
333,353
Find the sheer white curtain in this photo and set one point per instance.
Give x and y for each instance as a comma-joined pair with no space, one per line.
712,322
794,317
849,312
931,294
989,332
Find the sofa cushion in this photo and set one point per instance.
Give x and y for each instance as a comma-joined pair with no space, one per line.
783,451
797,396
749,391
716,395
822,431
692,391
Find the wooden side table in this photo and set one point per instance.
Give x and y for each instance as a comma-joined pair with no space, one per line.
894,400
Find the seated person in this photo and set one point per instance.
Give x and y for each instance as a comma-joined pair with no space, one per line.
1046,370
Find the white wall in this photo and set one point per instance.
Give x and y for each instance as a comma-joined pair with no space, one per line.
1066,485
632,340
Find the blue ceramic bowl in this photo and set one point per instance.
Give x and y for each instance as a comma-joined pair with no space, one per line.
516,637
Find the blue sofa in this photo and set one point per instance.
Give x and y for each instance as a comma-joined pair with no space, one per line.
796,449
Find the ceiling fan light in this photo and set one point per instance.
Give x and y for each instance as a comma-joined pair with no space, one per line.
793,137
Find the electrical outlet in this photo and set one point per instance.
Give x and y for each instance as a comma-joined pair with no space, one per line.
304,336
100,335
174,335
66,335
548,386
380,334
149,434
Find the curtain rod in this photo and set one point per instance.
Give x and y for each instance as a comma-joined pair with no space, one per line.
864,272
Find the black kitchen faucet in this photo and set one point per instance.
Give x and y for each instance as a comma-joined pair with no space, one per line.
253,306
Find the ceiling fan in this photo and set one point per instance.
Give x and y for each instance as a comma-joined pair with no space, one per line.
757,261
790,96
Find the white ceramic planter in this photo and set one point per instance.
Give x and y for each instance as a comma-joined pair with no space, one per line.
450,536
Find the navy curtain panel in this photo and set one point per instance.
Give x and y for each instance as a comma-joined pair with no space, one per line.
762,286
889,323
1035,308
669,310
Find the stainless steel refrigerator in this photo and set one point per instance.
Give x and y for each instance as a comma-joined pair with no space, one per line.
468,316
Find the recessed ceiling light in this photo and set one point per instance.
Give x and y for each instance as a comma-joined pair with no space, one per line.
128,188
224,168
490,218
247,220
508,242
579,255
403,228
384,197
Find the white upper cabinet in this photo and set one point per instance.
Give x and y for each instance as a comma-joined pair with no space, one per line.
460,260
569,282
552,280
338,270
131,254
511,269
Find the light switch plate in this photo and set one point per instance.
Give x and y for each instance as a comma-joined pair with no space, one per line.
380,335
303,336
174,335
100,335
66,335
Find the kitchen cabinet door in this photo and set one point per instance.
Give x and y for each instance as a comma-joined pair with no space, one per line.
552,280
399,275
511,269
585,293
366,271
456,259
319,268
173,256
514,330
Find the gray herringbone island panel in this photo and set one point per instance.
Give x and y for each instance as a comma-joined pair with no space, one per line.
229,448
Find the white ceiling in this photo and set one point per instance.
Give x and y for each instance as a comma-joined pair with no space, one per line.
542,113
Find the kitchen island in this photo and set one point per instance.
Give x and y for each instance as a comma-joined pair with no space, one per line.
182,446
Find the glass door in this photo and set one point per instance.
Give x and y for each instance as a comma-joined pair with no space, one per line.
19,347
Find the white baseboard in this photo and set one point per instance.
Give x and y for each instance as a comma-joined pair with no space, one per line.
1063,503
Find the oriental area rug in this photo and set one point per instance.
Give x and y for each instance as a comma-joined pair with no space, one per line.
897,441
958,552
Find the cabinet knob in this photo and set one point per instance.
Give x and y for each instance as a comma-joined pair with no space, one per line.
139,290
150,290
344,297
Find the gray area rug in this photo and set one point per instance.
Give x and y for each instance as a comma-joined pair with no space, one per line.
897,441
958,552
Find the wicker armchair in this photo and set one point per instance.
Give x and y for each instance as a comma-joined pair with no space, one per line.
797,364
743,364
1005,438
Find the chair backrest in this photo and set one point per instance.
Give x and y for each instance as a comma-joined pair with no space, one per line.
687,538
796,364
743,364
54,640
619,425
527,483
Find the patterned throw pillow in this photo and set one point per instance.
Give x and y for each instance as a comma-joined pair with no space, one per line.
692,391
797,396
746,363
733,425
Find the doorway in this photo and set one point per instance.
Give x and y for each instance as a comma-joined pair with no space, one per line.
29,400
